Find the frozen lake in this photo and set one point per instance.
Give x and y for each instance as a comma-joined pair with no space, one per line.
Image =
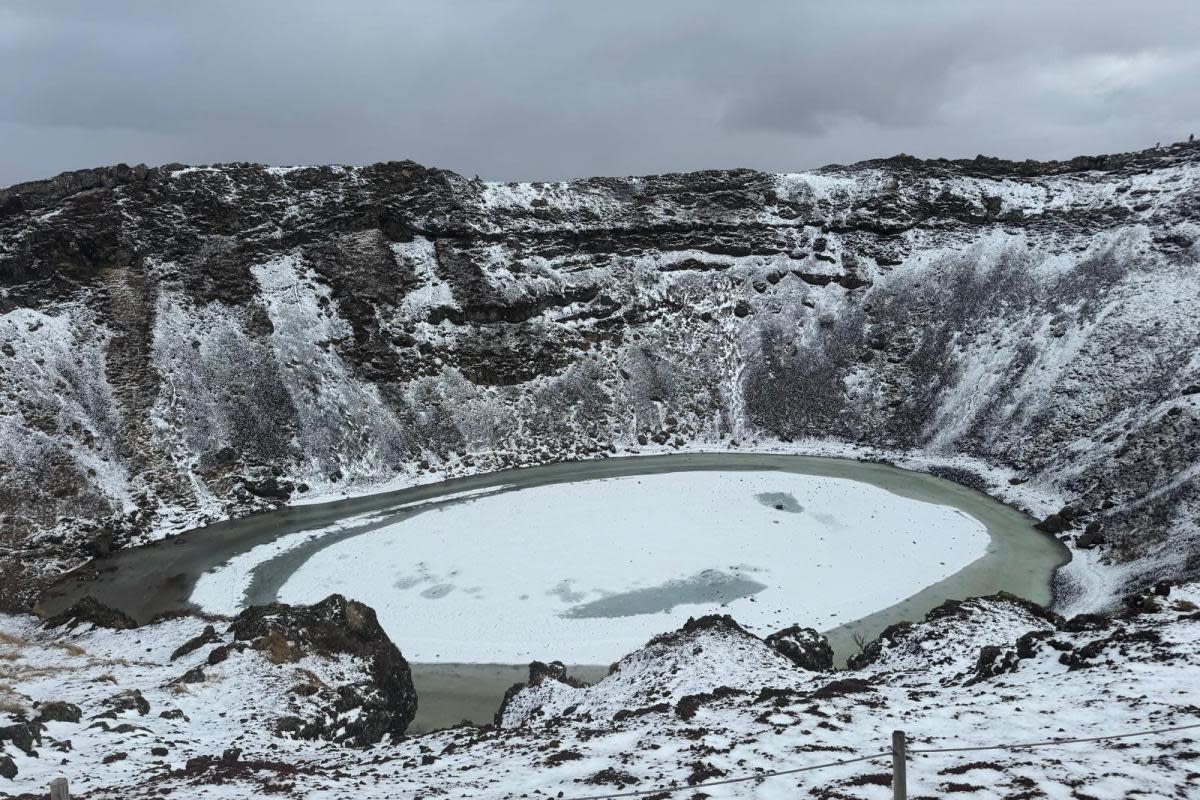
587,571
584,562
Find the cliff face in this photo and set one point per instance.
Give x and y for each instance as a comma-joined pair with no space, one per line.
183,344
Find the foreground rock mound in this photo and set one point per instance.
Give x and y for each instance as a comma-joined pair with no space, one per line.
709,658
91,684
383,702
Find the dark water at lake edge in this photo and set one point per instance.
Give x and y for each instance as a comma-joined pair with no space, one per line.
160,577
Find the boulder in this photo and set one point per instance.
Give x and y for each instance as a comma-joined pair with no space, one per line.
58,711
1086,622
383,702
221,653
1091,537
207,636
130,700
193,675
1055,523
804,647
993,661
288,725
89,610
270,489
23,735
8,767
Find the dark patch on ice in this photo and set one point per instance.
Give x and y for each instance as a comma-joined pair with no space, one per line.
409,581
829,521
423,575
438,591
564,592
709,586
781,501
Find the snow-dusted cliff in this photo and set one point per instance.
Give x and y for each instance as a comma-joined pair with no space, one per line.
183,344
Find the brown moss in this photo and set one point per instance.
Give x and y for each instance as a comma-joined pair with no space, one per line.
278,649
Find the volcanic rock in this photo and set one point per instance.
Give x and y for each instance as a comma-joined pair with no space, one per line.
384,703
806,648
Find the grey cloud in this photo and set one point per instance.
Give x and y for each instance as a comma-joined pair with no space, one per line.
532,89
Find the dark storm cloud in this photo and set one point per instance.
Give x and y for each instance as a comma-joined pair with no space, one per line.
551,89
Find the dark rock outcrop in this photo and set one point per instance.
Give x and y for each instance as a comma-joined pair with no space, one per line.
91,611
688,705
23,735
383,703
708,622
897,634
130,700
993,660
58,711
805,647
207,636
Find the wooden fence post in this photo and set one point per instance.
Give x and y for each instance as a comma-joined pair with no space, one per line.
899,771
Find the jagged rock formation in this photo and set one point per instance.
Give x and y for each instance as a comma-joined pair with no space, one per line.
383,702
806,647
184,344
90,611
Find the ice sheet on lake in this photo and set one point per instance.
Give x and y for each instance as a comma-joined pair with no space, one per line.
586,571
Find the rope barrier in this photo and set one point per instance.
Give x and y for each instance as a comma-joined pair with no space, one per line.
726,781
1050,742
667,790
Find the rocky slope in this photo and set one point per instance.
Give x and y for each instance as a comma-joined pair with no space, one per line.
148,712
184,344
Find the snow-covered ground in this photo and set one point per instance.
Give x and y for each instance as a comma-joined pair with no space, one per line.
700,704
587,571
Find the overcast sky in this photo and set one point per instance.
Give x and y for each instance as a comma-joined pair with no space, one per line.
546,89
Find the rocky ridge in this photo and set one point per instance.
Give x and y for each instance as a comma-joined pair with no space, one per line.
184,344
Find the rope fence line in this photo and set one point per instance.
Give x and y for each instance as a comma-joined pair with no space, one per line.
1050,742
898,753
668,790
725,781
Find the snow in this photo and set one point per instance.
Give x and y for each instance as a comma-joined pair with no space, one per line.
511,572
1062,381
558,740
432,292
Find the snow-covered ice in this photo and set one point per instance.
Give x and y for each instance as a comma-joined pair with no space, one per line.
587,571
